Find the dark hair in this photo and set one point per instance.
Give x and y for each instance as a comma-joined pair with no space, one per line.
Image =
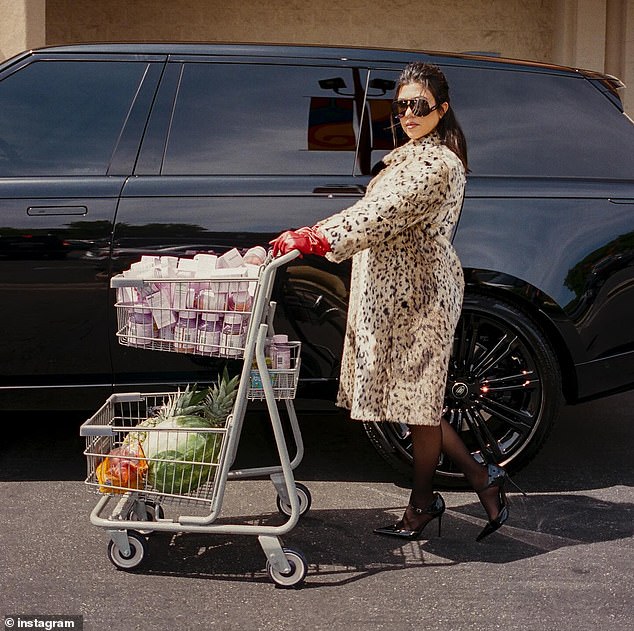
433,80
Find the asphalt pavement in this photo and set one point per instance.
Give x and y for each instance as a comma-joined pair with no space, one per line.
564,562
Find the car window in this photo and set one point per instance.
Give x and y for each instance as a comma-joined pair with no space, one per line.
64,117
260,119
532,124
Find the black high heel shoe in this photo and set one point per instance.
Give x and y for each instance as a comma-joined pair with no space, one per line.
435,510
497,477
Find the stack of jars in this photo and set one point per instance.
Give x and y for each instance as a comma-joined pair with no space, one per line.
185,310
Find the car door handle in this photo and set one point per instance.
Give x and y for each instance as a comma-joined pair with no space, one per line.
38,211
335,191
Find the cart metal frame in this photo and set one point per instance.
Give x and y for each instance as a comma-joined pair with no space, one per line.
286,567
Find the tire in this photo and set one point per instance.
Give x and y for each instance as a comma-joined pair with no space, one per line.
154,512
503,392
305,500
299,568
138,549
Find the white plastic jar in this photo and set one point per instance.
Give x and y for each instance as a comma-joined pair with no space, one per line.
140,326
233,335
209,334
185,332
280,352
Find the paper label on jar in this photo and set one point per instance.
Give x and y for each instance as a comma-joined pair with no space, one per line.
208,342
232,344
184,296
141,333
185,338
281,356
209,300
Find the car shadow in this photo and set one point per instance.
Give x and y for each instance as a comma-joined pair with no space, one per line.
341,548
589,448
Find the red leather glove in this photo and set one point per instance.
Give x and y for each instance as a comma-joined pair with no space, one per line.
306,240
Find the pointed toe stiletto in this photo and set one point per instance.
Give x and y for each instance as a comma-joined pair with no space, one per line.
497,477
494,524
435,511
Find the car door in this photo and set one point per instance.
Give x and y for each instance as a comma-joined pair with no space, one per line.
237,150
70,126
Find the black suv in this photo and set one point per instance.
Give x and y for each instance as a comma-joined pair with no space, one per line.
108,152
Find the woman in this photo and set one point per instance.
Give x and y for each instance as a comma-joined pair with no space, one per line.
406,295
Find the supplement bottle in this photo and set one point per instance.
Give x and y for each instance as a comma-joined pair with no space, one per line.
140,326
209,333
185,332
233,335
280,352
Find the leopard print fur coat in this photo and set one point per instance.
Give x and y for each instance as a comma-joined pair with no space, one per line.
407,285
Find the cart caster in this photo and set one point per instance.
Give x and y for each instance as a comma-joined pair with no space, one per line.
153,511
305,500
138,548
297,574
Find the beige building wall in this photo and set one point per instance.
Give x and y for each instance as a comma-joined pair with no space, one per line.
594,34
517,28
22,25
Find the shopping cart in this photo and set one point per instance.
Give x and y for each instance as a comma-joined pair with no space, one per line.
158,461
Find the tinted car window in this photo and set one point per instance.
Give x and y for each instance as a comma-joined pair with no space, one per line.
64,117
262,119
564,109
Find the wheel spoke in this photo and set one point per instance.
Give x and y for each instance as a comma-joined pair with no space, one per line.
521,376
502,388
518,419
495,355
485,439
525,385
467,344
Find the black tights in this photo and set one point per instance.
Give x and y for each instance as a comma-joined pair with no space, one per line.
427,444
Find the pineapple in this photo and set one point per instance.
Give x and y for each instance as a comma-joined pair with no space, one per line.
218,403
186,403
211,405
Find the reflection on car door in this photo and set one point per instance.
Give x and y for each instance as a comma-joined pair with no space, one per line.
69,126
235,153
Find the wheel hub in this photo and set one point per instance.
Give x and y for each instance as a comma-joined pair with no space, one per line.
463,391
459,390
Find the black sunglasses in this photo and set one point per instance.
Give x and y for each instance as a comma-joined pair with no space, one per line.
419,107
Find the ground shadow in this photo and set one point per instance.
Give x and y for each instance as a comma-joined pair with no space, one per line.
589,448
341,548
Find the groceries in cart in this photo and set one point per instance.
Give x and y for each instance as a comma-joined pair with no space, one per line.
123,469
199,305
172,450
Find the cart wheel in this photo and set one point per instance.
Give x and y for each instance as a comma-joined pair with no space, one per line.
305,500
297,574
154,513
138,548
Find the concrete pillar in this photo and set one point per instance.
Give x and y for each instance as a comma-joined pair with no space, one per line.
591,34
597,35
628,57
580,33
23,26
615,24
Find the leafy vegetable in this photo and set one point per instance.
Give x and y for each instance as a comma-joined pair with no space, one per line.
181,461
180,458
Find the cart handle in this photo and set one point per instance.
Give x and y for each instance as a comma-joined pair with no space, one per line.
267,274
119,281
283,259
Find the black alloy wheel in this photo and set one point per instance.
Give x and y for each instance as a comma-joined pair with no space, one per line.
503,392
